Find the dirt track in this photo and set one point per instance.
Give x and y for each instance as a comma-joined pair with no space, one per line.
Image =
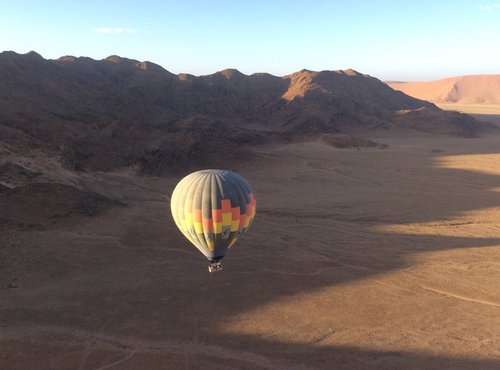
360,259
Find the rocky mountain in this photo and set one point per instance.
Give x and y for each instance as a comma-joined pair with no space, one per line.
63,122
118,112
477,89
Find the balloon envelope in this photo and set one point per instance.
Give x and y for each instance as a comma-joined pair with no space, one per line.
213,208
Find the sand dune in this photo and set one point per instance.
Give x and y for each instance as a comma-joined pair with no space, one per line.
477,89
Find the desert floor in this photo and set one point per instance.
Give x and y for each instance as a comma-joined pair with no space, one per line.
483,112
357,259
490,109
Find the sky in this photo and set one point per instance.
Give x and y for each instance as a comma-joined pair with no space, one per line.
391,40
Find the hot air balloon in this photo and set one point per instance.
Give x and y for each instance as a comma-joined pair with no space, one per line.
212,208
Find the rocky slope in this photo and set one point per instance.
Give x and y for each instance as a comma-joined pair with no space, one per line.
63,118
118,112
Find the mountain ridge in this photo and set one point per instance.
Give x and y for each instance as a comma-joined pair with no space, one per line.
65,123
120,112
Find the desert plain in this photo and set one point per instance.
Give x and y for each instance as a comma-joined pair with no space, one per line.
358,258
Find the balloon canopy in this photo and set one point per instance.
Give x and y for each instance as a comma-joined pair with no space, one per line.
213,208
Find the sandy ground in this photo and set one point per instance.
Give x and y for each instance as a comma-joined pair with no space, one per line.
357,259
487,109
483,112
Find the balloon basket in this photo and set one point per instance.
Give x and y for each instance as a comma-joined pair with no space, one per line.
215,266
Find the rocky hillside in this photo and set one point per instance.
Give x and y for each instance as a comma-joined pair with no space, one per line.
62,120
118,112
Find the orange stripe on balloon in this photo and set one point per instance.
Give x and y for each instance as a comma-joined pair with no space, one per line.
207,224
197,215
236,213
249,210
226,205
217,215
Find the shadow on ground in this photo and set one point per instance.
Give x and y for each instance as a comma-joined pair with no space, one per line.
129,274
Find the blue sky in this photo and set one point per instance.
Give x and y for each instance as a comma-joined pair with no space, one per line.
390,40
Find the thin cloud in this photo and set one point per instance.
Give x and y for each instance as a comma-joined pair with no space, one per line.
489,7
116,30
